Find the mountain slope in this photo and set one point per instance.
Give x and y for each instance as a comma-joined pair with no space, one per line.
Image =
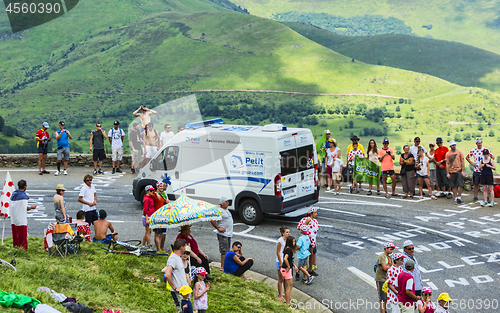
473,22
454,62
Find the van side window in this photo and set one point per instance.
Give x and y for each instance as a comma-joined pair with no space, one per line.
288,162
167,160
305,157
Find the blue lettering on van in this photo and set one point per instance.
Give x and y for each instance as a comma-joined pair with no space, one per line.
307,188
287,142
254,161
195,140
303,139
238,129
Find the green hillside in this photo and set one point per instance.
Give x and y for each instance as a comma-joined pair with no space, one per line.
455,62
476,23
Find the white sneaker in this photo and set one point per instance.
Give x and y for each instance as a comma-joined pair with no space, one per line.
328,188
65,172
491,203
57,173
484,203
338,193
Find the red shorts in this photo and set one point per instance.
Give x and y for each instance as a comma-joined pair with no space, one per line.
286,275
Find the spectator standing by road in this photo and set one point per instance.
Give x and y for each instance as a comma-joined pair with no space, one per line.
386,156
135,142
97,137
409,250
166,135
313,227
325,148
487,166
159,201
150,140
42,142
60,204
280,246
286,267
148,208
372,155
455,167
432,165
392,277
224,229
144,113
406,288
441,174
332,153
337,174
423,173
425,305
355,140
62,136
477,154
19,215
351,158
384,262
407,162
303,254
116,136
175,272
416,145
88,199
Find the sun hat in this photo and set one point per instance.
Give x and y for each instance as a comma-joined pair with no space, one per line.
45,124
159,183
426,290
453,143
60,187
328,131
407,243
396,256
389,245
149,188
409,264
312,210
444,296
385,140
200,270
222,199
305,229
185,290
431,143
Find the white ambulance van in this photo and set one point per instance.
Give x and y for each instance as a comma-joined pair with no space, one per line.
268,169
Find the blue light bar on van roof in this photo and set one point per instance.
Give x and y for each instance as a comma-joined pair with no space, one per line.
204,123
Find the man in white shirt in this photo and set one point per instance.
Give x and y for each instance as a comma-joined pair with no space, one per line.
175,273
166,135
224,230
88,198
444,303
115,136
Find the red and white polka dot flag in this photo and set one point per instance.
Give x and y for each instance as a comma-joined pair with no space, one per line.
8,189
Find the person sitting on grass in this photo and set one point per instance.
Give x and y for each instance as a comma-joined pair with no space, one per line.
101,227
186,305
234,264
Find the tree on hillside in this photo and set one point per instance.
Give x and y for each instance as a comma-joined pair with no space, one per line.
9,131
2,123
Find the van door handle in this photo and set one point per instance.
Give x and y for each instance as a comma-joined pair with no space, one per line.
176,175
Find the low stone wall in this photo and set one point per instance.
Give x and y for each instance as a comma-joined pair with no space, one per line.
31,160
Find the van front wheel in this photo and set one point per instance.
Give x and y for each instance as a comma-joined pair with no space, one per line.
250,212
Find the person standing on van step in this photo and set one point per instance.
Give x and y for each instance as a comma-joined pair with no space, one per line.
116,136
97,137
42,142
62,137
151,141
224,230
313,226
355,140
144,113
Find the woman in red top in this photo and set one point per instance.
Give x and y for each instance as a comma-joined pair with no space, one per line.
159,202
148,208
198,257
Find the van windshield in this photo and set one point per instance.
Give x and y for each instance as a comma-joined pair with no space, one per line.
167,160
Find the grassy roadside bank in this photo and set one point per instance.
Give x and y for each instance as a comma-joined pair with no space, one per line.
119,282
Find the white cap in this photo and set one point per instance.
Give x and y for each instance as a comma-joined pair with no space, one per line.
328,131
222,199
407,243
452,143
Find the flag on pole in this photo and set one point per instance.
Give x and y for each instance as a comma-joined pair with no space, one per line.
319,147
8,189
366,170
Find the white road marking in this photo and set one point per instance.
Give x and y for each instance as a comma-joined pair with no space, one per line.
391,198
340,211
30,170
256,237
360,202
353,222
50,190
367,278
438,232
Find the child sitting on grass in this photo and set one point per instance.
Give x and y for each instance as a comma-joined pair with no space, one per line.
200,290
186,305
302,255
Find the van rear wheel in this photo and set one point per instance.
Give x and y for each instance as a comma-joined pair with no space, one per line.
250,212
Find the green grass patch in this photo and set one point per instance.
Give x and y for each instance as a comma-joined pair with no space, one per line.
120,282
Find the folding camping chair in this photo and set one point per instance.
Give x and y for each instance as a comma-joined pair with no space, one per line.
63,239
